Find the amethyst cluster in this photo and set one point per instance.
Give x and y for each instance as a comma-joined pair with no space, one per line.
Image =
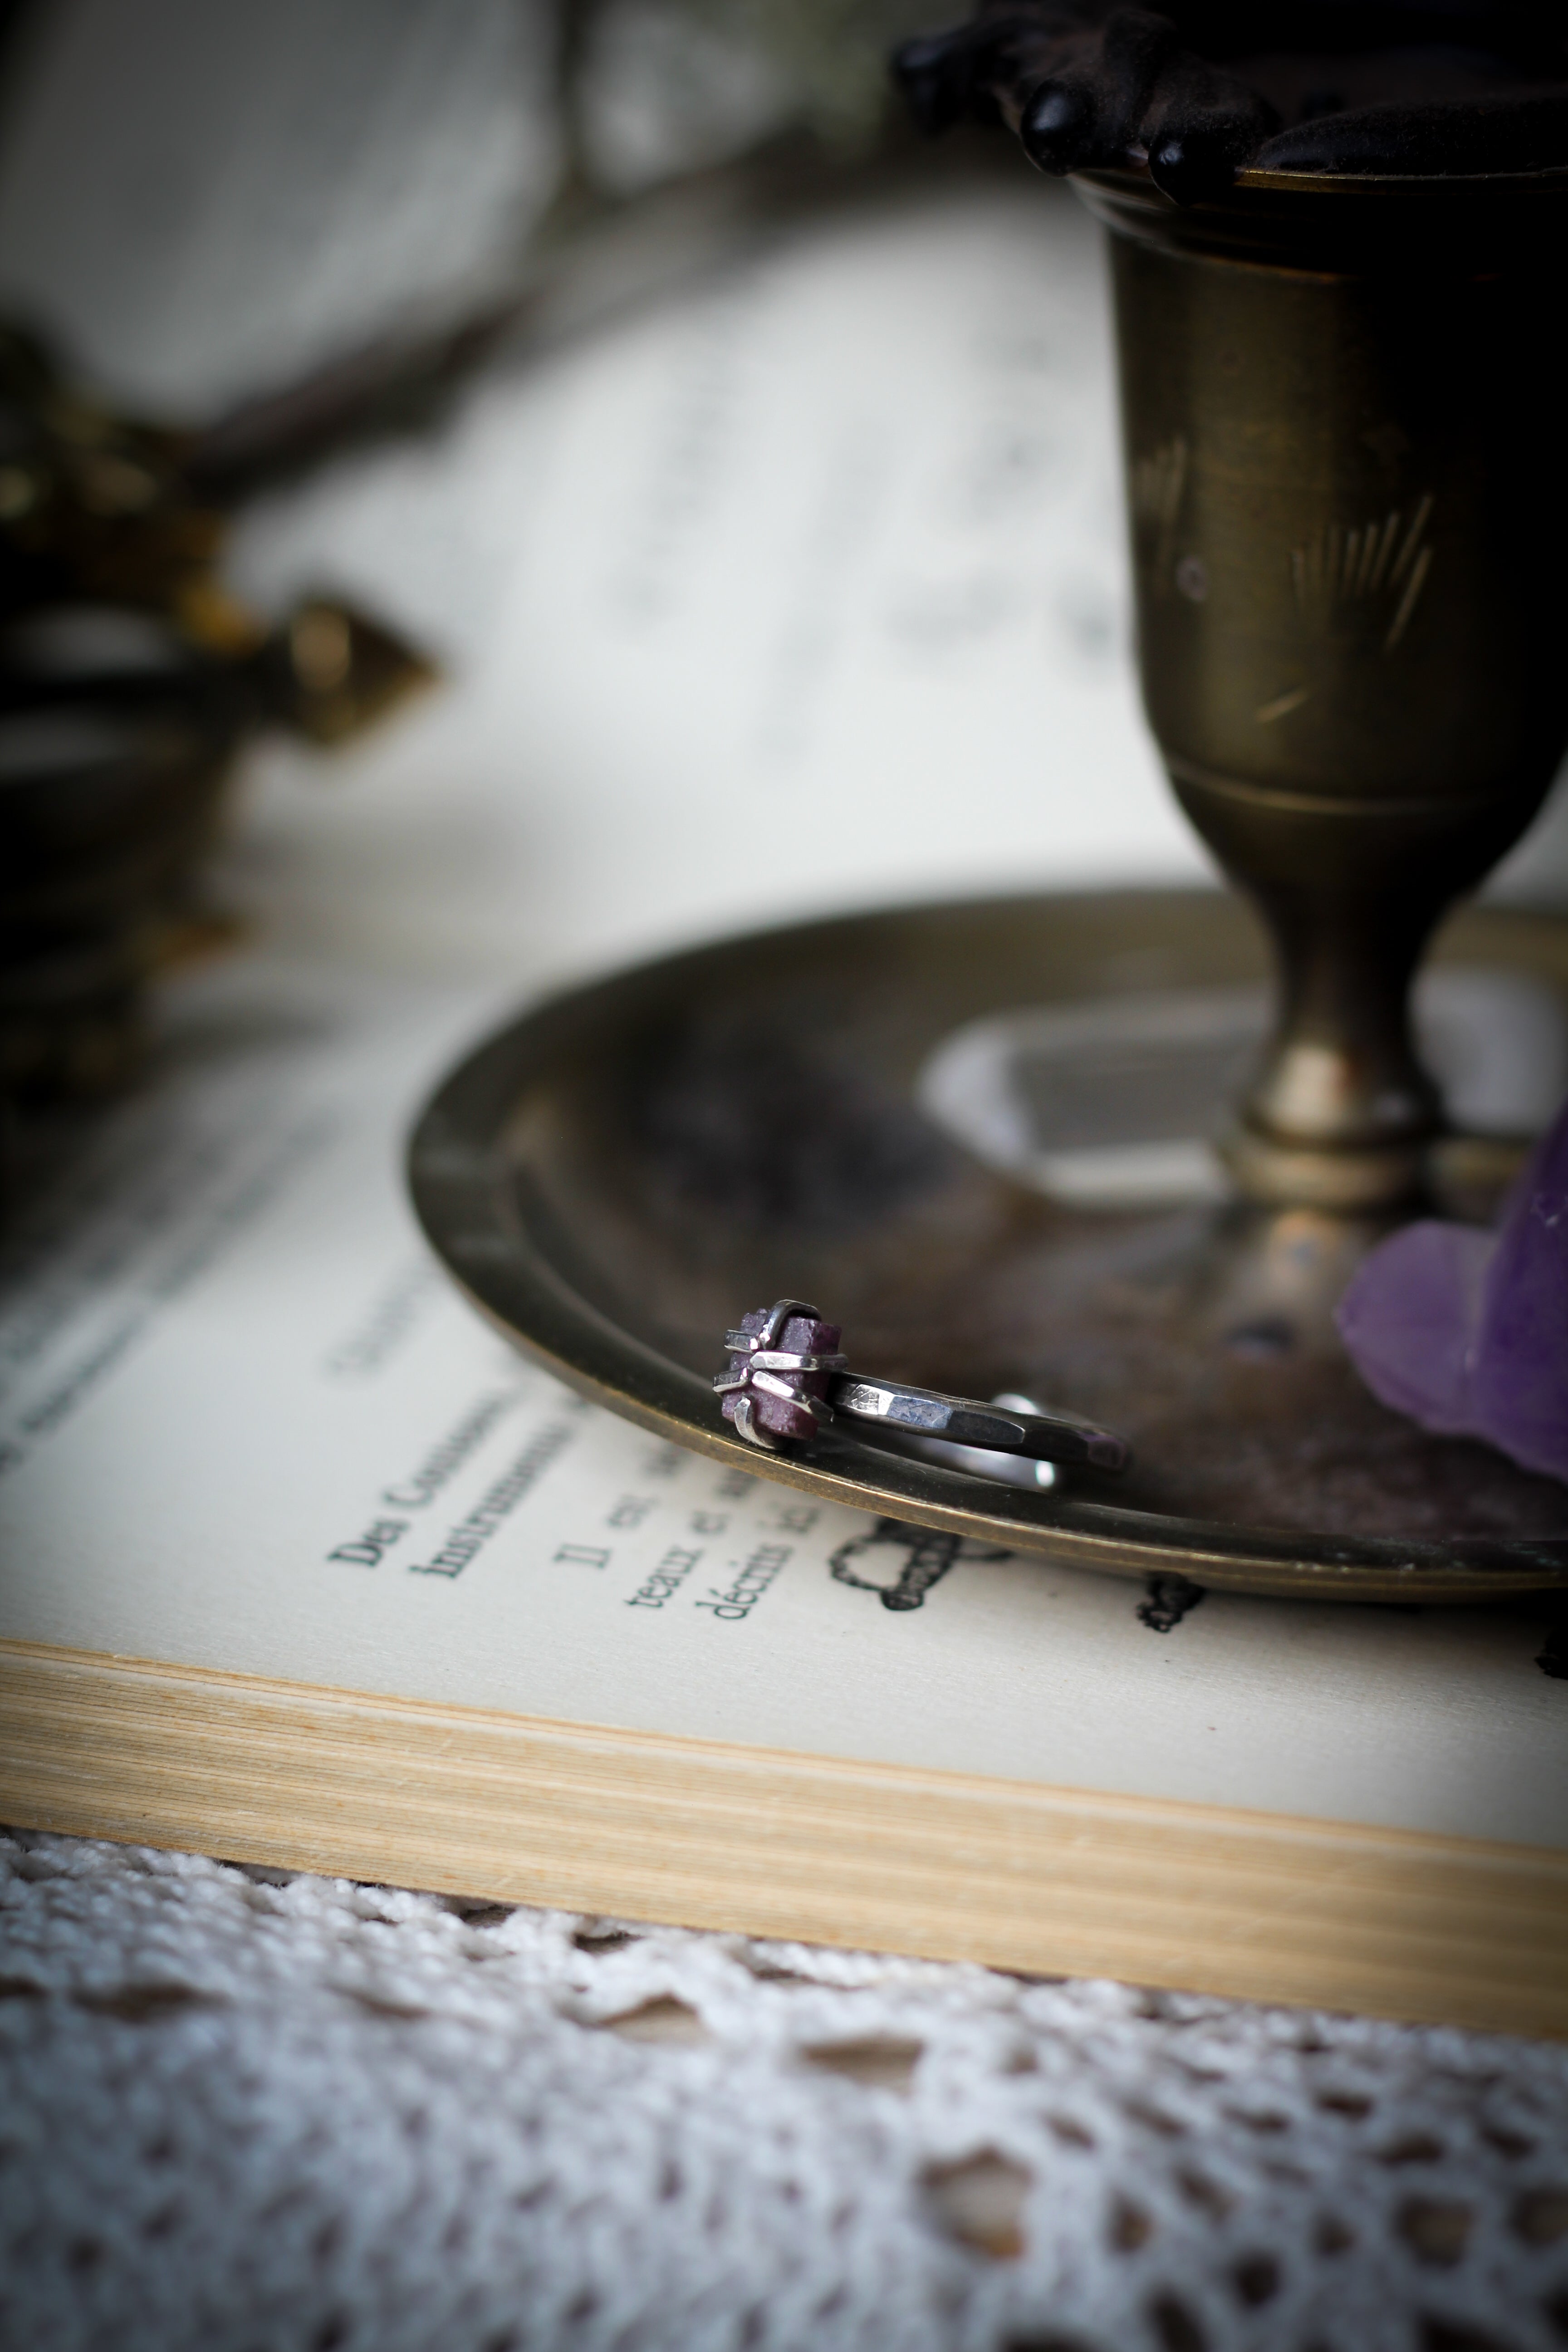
1466,1330
801,1335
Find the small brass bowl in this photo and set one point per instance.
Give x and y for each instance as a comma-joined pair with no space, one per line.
615,1177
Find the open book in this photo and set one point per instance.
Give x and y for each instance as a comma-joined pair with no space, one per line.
798,591
303,1564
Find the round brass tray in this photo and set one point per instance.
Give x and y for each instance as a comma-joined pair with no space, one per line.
615,1178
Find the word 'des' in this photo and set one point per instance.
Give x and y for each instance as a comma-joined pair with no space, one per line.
368,1551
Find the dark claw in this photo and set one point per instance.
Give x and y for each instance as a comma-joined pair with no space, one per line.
1187,166
1196,148
1057,127
949,77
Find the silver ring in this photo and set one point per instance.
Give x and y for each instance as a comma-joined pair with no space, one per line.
787,1380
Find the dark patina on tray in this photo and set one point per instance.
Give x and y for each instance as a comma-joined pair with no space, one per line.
615,1177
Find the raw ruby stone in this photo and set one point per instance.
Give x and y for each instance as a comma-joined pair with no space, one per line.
800,1337
1466,1330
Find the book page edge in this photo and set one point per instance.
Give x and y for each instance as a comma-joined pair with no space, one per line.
1040,1880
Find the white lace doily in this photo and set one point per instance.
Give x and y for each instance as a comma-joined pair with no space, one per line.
247,2113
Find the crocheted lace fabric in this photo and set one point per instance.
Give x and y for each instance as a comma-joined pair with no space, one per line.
275,2113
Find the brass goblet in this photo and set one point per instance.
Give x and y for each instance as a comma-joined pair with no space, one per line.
1346,483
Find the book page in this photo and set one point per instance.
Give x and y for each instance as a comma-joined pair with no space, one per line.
247,1425
801,588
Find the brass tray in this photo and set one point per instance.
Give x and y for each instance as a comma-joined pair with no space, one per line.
615,1178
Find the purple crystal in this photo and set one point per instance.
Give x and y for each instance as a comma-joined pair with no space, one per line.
1410,1319
1466,1330
800,1337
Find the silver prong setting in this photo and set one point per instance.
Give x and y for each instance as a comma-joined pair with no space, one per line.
746,1422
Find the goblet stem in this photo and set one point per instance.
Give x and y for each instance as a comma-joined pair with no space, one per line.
1342,1113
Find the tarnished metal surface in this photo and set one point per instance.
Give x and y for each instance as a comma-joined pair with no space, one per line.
616,1176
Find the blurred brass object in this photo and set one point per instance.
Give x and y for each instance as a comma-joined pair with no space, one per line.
129,676
95,507
107,805
331,672
1348,486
